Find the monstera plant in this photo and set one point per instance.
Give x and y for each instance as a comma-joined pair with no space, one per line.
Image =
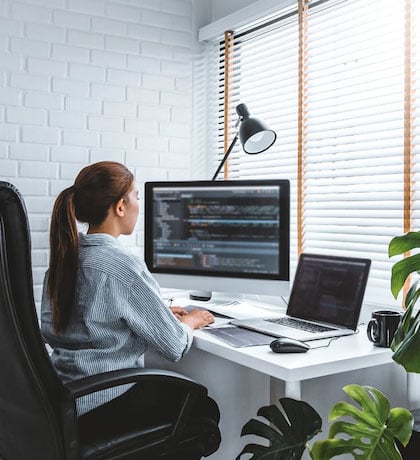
287,437
370,435
406,343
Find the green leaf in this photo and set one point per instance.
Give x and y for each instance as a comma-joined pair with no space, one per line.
375,405
371,433
406,342
404,243
412,294
401,270
400,425
259,428
407,352
403,327
286,436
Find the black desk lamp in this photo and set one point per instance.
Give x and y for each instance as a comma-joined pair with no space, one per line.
254,134
255,137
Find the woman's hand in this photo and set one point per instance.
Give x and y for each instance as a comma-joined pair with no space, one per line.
197,319
179,312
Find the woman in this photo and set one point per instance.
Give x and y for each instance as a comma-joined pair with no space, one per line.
101,308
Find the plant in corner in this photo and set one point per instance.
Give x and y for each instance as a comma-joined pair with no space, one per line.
372,432
370,436
406,343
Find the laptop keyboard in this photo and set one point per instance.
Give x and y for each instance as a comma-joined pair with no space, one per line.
302,325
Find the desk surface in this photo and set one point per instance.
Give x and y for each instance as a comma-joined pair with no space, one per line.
343,354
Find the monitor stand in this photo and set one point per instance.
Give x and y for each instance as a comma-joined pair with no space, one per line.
203,296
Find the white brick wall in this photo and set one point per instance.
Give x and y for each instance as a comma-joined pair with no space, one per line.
88,80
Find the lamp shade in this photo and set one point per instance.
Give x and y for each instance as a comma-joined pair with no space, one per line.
254,134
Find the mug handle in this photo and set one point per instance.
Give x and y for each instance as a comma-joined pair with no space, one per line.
372,331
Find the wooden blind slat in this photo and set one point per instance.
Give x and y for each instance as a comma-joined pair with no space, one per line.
229,42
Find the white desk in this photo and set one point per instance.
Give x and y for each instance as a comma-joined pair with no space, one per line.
344,354
244,379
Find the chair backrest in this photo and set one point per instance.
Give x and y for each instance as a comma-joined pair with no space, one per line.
32,398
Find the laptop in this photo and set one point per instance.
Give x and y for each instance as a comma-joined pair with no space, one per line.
325,300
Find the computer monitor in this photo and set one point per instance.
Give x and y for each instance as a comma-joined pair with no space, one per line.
224,236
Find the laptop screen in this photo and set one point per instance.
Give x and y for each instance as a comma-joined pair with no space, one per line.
329,289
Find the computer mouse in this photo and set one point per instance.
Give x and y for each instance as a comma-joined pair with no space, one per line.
286,345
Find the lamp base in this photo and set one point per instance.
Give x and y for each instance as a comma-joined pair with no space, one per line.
202,296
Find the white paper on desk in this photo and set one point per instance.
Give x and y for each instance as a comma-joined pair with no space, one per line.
219,322
245,310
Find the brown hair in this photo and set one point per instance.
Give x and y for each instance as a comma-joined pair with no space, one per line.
96,188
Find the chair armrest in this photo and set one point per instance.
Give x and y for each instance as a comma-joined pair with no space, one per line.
115,378
191,389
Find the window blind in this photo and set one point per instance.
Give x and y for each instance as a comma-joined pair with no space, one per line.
354,124
258,70
415,109
352,113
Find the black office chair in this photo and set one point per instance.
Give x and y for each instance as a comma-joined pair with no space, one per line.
37,411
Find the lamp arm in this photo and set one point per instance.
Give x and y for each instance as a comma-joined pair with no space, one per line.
226,156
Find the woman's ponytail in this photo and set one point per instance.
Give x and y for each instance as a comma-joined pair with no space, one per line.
96,188
63,259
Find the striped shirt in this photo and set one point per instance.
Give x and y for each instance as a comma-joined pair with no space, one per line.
117,314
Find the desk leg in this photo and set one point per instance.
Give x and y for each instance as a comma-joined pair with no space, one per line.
293,390
289,389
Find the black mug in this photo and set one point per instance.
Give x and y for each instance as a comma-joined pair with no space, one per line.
381,328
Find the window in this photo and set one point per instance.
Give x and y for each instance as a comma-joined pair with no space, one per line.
337,81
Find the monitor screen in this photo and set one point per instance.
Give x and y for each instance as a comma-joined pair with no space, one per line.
223,235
